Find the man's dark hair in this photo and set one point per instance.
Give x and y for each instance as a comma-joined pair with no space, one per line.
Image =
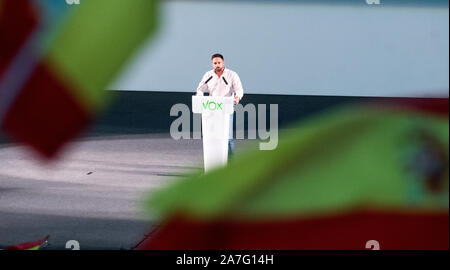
216,55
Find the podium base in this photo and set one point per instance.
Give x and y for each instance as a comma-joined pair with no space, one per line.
215,129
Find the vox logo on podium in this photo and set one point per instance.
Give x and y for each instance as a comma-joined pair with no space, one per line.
373,2
73,2
212,106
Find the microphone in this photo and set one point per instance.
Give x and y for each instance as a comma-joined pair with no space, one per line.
208,79
225,80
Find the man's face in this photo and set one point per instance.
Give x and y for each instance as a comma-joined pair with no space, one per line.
218,64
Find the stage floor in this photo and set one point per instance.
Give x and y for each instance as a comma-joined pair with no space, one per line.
94,193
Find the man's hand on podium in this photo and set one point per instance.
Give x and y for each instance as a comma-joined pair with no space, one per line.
236,99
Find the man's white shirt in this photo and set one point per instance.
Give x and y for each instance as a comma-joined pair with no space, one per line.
227,85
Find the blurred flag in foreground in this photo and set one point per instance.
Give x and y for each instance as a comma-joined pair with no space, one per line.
56,60
344,179
34,245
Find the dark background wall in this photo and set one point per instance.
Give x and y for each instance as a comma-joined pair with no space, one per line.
149,112
141,112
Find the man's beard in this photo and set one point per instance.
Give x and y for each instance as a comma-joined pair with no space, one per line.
219,70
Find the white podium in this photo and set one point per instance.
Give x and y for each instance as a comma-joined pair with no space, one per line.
215,128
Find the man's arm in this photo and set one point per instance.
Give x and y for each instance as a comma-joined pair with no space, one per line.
203,85
237,88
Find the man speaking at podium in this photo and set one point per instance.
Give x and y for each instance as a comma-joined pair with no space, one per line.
223,83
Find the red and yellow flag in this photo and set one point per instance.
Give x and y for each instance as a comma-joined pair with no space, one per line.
57,59
33,245
342,180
